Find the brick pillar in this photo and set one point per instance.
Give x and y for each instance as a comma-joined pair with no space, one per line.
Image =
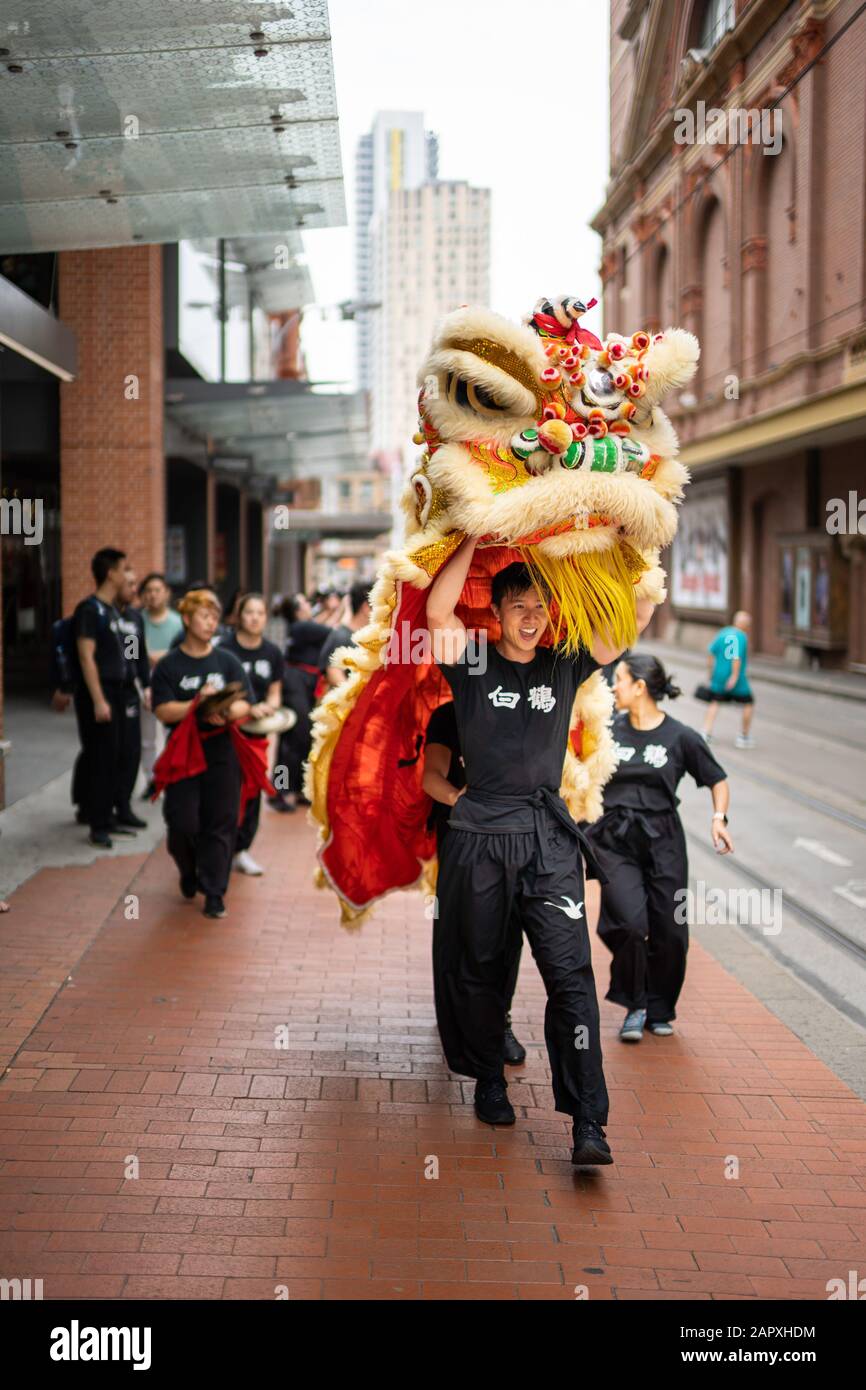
112,464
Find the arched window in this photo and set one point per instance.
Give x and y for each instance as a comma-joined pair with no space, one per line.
716,315
660,291
784,314
710,22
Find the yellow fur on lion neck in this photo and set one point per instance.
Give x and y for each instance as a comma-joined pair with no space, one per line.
593,594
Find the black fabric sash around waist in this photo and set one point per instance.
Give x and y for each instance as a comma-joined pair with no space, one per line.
482,813
621,821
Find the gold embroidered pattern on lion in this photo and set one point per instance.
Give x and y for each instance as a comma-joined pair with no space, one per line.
548,446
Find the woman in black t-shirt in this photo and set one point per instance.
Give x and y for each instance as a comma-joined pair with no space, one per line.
263,666
201,809
641,846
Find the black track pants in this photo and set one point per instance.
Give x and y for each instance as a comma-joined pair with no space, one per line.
202,818
490,887
515,940
130,749
246,831
98,771
294,746
643,920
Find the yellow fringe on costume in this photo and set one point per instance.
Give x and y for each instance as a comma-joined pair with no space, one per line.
594,594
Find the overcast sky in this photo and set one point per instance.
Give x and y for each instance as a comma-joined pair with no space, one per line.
518,95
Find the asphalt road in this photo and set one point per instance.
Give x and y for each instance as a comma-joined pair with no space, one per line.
798,818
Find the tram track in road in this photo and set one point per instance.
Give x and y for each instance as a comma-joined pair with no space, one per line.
806,914
814,803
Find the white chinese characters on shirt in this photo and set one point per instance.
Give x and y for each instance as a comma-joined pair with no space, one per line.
507,698
655,754
542,697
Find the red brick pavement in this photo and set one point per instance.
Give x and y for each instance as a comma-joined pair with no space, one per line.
305,1166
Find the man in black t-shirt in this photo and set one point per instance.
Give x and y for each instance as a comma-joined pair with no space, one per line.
512,855
444,780
136,687
99,681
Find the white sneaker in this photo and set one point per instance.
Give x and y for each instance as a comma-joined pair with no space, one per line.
245,863
745,741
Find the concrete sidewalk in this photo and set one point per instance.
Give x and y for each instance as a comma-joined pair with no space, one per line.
160,1141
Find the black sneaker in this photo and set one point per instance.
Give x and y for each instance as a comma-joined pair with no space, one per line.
100,839
590,1146
130,820
491,1102
149,792
214,906
276,803
118,828
188,886
515,1052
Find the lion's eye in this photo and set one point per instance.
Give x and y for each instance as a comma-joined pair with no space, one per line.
600,387
473,396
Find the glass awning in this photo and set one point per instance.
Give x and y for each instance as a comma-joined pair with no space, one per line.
285,429
126,122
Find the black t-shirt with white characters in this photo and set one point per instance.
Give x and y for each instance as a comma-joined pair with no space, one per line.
513,717
263,664
130,626
100,621
442,728
652,762
179,676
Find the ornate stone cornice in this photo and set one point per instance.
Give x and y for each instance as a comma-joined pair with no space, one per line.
711,79
805,45
692,299
607,269
753,253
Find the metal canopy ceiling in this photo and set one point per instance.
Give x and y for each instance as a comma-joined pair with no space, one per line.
276,289
312,525
283,428
168,111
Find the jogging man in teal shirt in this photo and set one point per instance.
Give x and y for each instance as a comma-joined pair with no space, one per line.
729,685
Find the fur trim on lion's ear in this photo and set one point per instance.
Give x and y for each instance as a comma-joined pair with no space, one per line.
672,360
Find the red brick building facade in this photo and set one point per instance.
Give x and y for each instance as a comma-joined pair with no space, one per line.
112,463
762,255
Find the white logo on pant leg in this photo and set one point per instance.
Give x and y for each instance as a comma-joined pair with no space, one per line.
507,698
655,754
542,697
574,910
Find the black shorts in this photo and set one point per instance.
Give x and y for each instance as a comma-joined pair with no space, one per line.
724,697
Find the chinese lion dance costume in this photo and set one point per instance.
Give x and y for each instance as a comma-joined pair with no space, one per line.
549,446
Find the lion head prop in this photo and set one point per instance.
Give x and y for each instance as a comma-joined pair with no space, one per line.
549,446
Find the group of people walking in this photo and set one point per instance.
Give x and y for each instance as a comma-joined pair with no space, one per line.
511,858
189,696
192,695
